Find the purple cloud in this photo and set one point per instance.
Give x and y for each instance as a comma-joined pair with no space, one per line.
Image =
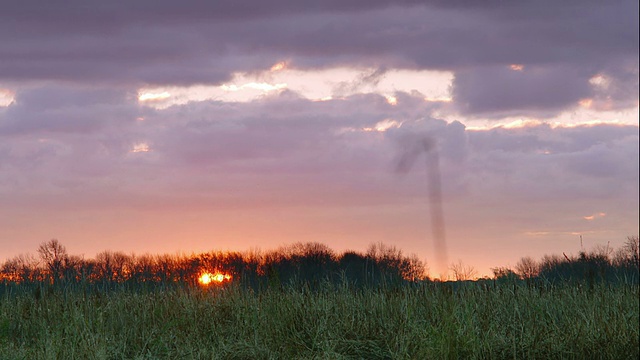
77,148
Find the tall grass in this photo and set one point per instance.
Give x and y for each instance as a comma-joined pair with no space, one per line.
426,321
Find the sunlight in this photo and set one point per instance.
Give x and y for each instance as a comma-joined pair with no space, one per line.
264,87
279,66
516,67
312,84
391,100
207,278
594,216
599,80
149,96
521,123
380,126
444,99
587,102
386,124
141,147
6,97
566,120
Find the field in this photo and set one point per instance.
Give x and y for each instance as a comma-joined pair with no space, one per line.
429,320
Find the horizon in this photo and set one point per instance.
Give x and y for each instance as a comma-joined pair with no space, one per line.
167,128
598,249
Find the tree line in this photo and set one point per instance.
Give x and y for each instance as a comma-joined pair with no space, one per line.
304,263
310,263
602,264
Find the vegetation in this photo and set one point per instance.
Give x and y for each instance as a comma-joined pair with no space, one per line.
309,263
307,302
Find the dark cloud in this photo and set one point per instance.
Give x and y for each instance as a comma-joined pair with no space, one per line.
499,91
67,109
545,164
618,86
207,41
283,127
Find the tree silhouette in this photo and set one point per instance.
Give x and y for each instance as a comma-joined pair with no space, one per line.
527,268
54,256
463,272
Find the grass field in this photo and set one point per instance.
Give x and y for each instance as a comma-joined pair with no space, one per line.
429,321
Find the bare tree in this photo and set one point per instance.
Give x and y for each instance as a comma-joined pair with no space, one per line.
463,272
21,268
414,269
54,256
114,266
503,273
72,268
527,268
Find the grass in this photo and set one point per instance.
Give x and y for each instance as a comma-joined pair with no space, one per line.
430,321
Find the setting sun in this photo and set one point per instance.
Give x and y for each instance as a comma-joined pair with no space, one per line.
207,278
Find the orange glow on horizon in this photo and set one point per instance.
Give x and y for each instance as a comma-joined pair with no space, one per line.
207,278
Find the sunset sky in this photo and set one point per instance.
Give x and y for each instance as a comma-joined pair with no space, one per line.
157,126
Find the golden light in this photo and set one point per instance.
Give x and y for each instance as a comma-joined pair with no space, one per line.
392,100
516,67
141,147
6,97
599,80
264,86
148,96
438,99
585,102
384,125
594,216
279,66
207,278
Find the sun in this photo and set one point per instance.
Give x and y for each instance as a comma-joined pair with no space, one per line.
207,278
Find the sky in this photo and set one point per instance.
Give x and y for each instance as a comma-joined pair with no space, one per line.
158,126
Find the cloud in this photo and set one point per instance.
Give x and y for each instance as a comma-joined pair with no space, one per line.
281,127
501,91
75,137
164,42
616,86
67,109
560,45
594,216
545,164
366,79
282,169
286,142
